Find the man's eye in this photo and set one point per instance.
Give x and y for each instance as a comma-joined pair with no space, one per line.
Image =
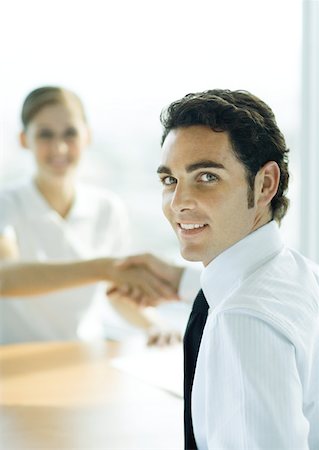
208,177
167,181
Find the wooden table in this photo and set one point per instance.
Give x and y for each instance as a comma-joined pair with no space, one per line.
67,396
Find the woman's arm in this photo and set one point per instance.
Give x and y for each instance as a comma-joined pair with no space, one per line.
23,279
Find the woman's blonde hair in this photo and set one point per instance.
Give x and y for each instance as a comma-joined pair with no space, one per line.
45,96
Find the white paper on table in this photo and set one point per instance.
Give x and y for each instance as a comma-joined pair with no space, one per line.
161,367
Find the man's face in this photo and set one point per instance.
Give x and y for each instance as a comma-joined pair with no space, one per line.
205,192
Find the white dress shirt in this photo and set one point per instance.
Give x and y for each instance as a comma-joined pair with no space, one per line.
256,384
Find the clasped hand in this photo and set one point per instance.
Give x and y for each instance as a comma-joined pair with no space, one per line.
145,279
142,281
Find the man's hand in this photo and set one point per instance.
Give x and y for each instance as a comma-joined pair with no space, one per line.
133,279
168,277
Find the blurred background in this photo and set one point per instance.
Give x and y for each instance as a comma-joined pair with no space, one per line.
127,60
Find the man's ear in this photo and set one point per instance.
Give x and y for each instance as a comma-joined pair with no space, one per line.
267,182
23,139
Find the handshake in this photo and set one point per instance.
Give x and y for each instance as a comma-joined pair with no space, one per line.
140,281
144,279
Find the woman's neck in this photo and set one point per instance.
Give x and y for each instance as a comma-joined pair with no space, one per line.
59,193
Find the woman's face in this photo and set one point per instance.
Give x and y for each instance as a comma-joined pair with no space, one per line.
57,136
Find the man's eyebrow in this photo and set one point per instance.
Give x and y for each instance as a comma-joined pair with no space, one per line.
203,165
164,169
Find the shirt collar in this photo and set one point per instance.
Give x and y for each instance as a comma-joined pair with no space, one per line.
80,208
230,268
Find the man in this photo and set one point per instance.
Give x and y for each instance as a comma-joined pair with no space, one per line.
255,381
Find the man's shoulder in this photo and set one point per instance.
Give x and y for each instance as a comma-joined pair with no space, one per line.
288,278
285,293
309,263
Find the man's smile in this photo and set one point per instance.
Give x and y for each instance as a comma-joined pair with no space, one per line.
186,229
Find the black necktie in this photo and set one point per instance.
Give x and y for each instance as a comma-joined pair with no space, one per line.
192,339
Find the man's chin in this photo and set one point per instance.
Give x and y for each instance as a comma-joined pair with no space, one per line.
191,256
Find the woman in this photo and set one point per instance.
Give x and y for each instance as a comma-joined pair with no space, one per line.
54,218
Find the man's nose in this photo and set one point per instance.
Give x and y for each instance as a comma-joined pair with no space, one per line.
182,199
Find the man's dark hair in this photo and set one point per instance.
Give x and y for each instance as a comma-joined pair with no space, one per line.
252,129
